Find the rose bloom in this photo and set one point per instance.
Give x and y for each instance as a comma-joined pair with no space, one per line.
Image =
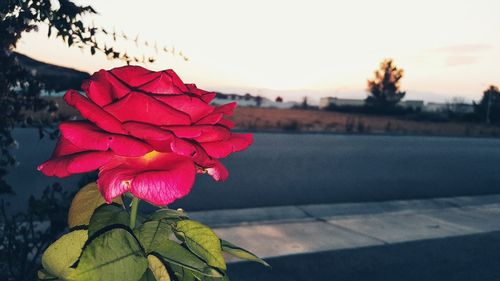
147,132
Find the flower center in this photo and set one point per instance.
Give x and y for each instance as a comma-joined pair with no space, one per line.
151,155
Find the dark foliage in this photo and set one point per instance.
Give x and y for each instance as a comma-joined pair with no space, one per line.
384,89
489,107
24,236
368,109
21,80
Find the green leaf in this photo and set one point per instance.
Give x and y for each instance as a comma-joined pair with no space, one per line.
174,253
168,214
113,255
197,276
152,233
107,215
241,253
202,241
62,254
184,274
84,203
158,269
148,276
223,278
42,274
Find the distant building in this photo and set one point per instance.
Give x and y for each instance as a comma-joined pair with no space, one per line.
416,105
435,107
329,101
251,101
453,107
462,107
326,102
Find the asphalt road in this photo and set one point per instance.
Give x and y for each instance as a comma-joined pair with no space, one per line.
465,258
289,169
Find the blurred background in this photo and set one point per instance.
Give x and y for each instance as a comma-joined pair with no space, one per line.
376,126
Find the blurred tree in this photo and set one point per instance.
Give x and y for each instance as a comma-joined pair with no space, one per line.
25,236
279,99
456,104
384,89
489,106
22,236
305,103
19,88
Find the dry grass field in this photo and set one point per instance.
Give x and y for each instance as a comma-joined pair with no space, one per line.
300,120
326,121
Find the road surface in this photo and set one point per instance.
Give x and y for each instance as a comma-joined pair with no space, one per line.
299,169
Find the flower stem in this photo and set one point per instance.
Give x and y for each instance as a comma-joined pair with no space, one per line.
133,211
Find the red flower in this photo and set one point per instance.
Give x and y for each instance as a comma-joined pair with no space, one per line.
147,132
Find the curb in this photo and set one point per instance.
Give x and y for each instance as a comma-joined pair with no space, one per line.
287,230
282,214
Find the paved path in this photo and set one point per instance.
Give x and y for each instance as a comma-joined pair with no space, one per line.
459,258
282,231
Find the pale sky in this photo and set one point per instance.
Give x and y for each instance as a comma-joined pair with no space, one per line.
447,48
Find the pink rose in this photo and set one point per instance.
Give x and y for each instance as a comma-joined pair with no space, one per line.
147,132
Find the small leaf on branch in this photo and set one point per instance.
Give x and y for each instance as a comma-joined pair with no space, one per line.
148,276
63,253
168,214
151,234
113,255
202,241
107,215
158,269
184,274
174,253
84,203
241,253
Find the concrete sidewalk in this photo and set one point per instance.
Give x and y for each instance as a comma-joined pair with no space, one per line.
281,231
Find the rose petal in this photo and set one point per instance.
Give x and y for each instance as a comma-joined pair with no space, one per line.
93,112
159,180
218,171
184,131
65,147
193,106
191,150
75,163
146,131
89,137
182,147
165,82
162,82
205,96
157,138
226,123
208,97
195,90
164,187
103,88
211,119
213,133
200,133
226,109
140,107
114,181
221,149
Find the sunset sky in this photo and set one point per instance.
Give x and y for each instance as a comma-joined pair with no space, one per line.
447,48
